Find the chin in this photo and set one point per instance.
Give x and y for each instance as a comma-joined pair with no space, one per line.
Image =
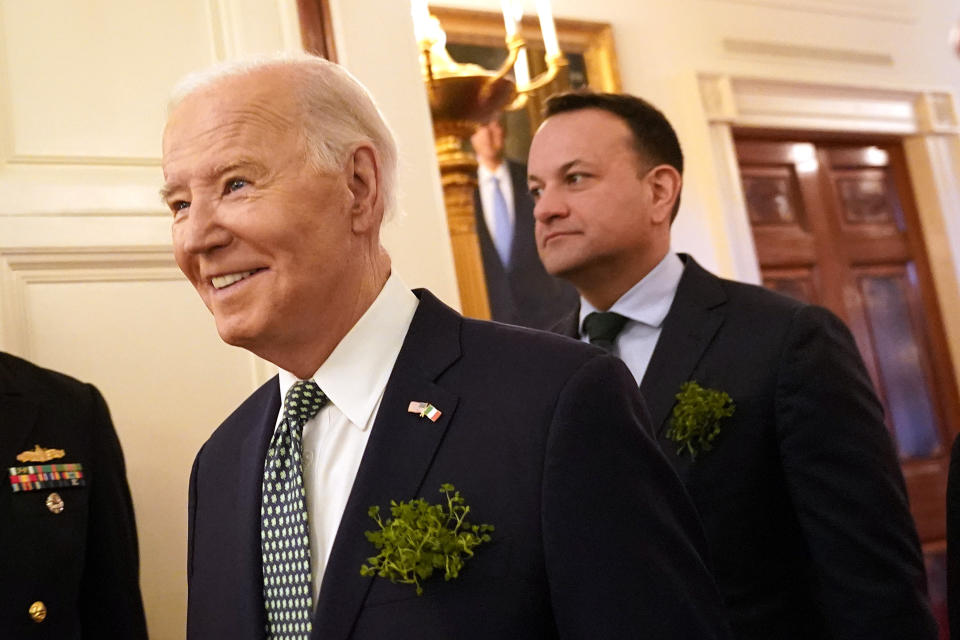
561,266
236,336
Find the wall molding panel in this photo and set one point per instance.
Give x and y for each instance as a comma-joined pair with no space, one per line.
800,53
775,103
22,267
888,10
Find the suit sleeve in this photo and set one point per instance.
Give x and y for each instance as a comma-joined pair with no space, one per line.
111,604
844,478
623,546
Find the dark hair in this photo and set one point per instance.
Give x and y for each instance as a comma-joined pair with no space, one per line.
653,136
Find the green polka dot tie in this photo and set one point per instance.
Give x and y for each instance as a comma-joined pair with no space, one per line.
284,535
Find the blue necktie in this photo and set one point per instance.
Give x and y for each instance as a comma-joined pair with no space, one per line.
502,229
284,535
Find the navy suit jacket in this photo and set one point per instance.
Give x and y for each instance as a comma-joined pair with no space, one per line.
82,563
953,540
595,537
802,498
523,293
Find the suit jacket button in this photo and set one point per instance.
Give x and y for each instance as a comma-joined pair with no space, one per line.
38,611
55,504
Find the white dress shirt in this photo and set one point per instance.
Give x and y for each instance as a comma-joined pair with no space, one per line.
645,306
485,180
353,377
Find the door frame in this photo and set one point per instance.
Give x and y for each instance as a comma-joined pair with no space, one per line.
925,120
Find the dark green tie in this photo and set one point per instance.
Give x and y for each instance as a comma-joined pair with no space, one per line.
284,534
603,327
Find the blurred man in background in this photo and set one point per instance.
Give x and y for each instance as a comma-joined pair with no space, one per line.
520,290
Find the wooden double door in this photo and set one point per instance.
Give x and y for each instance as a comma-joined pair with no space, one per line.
835,224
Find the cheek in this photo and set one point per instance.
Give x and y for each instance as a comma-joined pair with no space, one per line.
179,254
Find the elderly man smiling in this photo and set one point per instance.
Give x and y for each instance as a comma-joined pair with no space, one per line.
278,175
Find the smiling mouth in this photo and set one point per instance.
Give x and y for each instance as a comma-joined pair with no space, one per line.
220,282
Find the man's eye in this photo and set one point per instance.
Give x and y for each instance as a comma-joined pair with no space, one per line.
535,192
236,184
575,178
179,205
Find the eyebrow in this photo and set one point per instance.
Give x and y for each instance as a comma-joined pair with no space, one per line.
563,169
211,176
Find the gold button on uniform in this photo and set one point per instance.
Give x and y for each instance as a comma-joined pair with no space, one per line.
55,504
38,611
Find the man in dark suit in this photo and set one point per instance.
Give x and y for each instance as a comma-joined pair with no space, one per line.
793,472
68,540
521,292
278,176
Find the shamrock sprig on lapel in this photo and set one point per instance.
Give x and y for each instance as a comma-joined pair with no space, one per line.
420,538
695,421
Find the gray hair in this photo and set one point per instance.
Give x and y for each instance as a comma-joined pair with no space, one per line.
339,112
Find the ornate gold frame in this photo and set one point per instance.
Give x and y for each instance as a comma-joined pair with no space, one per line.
592,39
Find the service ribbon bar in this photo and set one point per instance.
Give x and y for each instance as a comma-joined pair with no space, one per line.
46,476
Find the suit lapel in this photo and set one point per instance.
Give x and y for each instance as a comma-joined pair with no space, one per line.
19,418
693,320
253,452
524,247
401,447
569,325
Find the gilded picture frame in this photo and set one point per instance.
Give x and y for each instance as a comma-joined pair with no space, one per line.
478,36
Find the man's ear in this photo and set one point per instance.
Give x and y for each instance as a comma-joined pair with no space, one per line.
363,180
665,184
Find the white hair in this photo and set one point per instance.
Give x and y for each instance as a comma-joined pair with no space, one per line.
338,111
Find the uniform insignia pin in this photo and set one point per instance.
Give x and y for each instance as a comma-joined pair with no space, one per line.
39,454
54,503
426,410
46,476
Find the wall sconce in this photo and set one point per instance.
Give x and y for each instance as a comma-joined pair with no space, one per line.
462,97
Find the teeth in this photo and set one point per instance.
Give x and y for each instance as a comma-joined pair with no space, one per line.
224,281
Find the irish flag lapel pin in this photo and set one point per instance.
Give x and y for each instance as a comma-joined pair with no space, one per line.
425,410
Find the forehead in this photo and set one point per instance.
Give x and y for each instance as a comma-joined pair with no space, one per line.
587,134
243,114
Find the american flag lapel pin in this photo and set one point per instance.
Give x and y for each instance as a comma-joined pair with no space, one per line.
425,410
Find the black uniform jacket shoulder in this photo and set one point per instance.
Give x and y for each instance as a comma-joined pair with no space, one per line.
82,562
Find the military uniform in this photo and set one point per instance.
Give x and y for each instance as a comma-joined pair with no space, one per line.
68,545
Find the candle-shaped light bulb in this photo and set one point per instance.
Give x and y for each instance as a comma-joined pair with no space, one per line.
421,19
521,69
512,14
548,28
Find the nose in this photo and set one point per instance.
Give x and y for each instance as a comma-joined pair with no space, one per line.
200,230
549,205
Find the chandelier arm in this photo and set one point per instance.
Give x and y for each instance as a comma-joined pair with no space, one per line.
554,64
514,45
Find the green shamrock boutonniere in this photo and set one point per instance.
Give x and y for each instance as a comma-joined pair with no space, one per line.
420,538
695,421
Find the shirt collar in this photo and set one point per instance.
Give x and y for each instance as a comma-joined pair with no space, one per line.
500,173
356,373
648,301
